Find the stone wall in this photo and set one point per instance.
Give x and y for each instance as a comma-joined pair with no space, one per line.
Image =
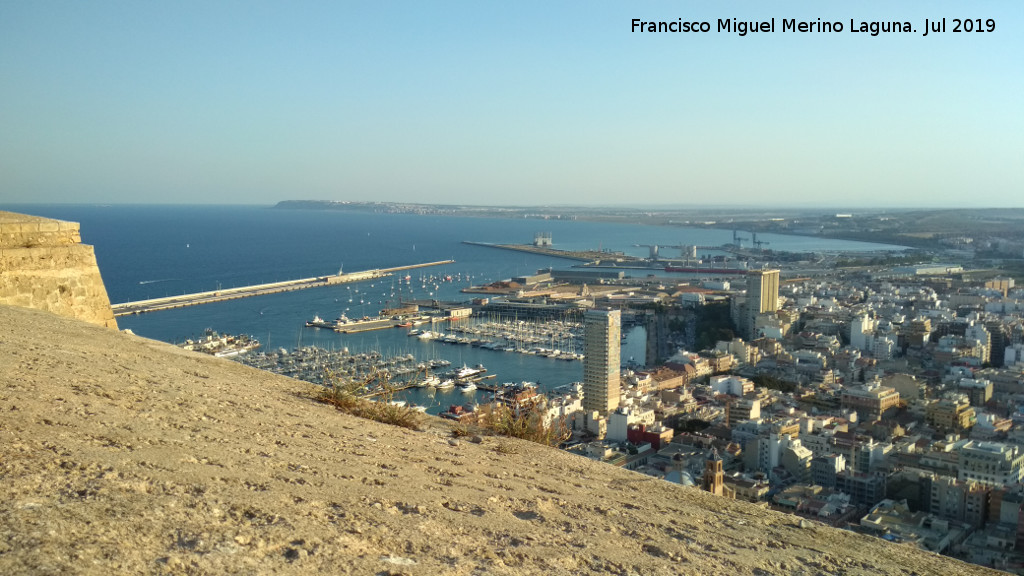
44,265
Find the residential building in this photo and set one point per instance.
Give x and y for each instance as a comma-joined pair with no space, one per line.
732,385
740,410
955,500
895,521
871,401
861,328
978,391
952,412
825,469
991,463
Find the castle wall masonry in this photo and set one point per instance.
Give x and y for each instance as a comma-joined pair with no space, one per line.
44,265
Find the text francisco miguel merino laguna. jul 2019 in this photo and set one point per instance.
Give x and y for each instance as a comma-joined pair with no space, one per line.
873,28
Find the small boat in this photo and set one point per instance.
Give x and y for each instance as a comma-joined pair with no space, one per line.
466,372
318,322
447,384
469,387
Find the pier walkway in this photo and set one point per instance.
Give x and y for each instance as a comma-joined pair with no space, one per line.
580,255
183,300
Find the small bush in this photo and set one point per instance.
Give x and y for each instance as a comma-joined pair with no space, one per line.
352,397
525,423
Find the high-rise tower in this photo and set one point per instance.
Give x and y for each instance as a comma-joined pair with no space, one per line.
762,297
602,343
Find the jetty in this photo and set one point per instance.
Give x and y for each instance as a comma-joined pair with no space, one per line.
578,255
183,300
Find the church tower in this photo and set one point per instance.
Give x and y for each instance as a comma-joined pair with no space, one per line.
713,475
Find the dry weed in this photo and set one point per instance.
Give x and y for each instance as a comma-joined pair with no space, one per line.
352,397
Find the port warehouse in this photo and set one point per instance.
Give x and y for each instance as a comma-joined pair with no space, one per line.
570,276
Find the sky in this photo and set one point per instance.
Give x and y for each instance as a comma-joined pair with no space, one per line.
508,103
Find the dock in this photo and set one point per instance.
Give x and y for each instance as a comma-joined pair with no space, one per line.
366,325
578,255
183,300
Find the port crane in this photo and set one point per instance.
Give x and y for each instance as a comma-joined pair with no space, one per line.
737,239
758,243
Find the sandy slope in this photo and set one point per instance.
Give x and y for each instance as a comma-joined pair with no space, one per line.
124,455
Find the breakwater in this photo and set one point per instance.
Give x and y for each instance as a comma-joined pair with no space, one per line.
169,302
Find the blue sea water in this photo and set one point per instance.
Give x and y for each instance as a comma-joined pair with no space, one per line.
148,251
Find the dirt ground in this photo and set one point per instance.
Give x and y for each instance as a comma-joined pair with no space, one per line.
121,455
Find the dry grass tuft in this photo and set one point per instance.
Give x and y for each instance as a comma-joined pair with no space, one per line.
460,430
351,397
524,423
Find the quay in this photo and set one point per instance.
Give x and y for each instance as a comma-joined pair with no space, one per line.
579,255
366,325
183,300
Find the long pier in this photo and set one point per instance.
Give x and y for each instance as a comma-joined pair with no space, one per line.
579,255
183,300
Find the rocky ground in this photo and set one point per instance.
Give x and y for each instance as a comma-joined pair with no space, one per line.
121,455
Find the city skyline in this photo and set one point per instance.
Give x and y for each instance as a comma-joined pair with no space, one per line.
506,104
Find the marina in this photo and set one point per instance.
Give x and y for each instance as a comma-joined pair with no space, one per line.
319,365
552,338
381,376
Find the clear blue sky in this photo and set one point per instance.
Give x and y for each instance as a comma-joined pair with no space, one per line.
506,102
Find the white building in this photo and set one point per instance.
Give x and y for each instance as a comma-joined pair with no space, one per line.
978,333
1013,355
732,385
621,419
883,347
992,463
860,330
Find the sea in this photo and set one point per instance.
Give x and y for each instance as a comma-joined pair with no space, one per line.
150,251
